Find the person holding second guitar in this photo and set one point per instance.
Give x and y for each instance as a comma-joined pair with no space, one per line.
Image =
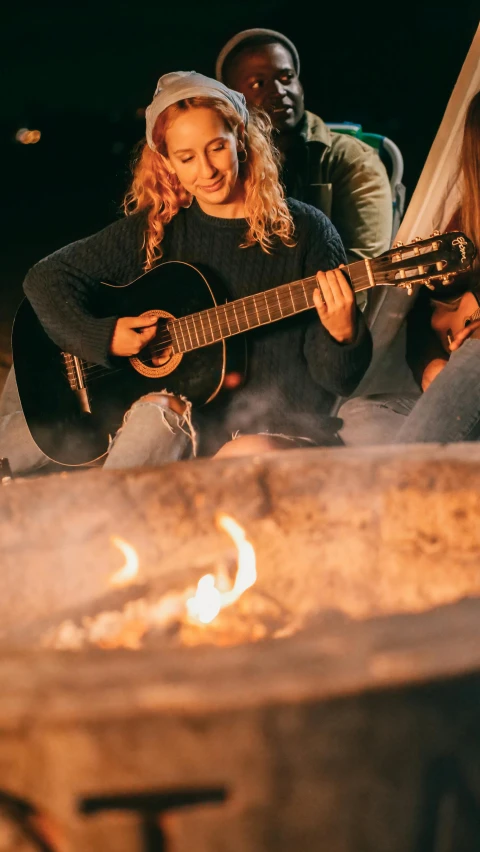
443,345
206,192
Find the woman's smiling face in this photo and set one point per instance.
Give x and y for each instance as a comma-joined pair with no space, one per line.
203,152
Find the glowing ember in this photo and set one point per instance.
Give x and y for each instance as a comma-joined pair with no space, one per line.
127,574
208,599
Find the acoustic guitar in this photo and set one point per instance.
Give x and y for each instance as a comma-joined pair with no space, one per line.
73,407
452,315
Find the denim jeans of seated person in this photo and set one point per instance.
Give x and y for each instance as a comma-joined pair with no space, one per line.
448,411
152,434
376,419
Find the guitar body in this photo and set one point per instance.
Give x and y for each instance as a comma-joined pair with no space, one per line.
451,316
56,414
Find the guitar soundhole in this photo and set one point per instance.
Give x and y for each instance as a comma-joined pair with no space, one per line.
158,358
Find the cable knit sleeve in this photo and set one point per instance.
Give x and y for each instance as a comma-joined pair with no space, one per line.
337,367
65,288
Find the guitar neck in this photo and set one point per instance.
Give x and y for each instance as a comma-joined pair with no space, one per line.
205,327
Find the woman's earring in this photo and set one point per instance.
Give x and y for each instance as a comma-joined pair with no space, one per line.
242,151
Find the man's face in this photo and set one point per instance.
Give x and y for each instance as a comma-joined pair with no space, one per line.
266,76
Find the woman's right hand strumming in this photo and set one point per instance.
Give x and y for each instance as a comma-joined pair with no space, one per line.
131,334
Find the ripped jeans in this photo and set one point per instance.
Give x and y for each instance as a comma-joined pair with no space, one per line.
151,434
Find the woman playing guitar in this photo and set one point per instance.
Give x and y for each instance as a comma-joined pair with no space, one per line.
205,191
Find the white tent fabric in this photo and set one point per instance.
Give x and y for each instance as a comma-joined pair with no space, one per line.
431,207
434,199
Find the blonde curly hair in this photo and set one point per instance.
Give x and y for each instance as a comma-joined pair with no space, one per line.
154,189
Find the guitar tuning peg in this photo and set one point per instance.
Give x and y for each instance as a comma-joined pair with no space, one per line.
447,279
397,245
435,234
409,289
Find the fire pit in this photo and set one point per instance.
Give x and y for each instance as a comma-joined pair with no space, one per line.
343,712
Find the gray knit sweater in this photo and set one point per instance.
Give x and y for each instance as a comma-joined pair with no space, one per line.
295,367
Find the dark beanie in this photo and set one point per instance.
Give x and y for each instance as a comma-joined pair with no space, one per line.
246,36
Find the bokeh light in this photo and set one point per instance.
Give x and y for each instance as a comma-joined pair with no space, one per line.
28,137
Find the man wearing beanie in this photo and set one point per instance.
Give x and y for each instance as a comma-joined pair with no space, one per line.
334,172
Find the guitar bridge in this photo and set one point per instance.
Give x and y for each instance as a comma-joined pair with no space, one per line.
76,380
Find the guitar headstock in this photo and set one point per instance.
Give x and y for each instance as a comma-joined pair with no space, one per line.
439,258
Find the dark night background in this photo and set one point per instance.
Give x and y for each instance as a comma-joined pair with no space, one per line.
80,72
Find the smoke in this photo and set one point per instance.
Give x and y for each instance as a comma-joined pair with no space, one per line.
253,411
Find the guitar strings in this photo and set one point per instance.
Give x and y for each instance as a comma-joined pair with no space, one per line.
221,326
195,323
192,323
226,317
283,299
222,318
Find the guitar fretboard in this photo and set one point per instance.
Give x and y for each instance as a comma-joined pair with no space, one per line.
210,326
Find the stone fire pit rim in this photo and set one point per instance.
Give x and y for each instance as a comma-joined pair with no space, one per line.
47,688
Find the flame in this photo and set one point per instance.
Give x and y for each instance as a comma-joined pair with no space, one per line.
208,599
128,572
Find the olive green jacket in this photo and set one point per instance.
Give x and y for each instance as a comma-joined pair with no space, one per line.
346,179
